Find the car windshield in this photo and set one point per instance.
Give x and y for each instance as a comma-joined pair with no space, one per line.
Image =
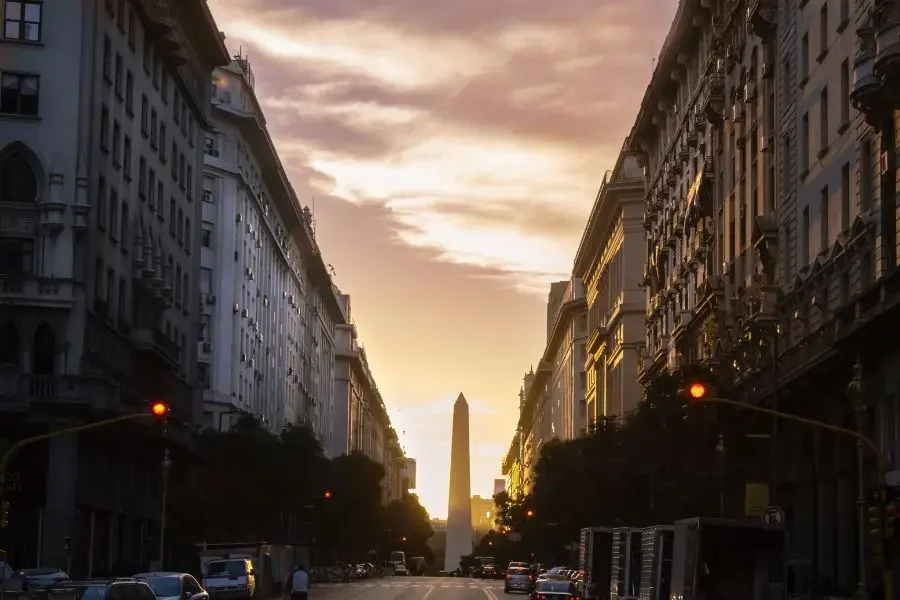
94,592
554,586
165,586
226,568
518,571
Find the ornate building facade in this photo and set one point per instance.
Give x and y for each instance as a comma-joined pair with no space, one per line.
101,150
609,260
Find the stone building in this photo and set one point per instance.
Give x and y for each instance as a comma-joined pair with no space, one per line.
102,115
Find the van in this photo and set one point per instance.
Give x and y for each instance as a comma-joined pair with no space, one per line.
230,579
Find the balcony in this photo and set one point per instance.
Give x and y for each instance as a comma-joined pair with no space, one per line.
761,17
887,43
23,392
43,292
711,102
154,342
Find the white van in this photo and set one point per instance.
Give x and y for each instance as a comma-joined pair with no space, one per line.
230,578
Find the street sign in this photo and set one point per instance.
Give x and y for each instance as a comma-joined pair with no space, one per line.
773,515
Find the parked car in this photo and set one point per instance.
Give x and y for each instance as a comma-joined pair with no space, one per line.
555,589
121,588
41,578
174,586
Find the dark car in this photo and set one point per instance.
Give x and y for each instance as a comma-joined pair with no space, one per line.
116,589
41,578
555,589
488,572
174,586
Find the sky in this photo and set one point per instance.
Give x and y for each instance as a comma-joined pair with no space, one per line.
451,150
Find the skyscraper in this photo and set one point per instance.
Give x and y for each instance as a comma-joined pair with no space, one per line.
459,509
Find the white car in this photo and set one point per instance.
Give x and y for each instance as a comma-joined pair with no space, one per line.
400,570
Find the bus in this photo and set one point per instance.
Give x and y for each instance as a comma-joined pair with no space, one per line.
398,557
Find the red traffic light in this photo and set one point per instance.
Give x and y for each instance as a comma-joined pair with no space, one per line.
327,494
530,513
697,391
159,409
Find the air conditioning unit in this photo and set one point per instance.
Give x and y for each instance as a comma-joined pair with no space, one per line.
749,91
767,71
737,113
720,65
244,313
885,162
252,322
207,347
290,370
237,307
250,362
239,218
210,299
243,357
763,143
250,228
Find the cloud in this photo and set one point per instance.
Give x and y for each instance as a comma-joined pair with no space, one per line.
484,127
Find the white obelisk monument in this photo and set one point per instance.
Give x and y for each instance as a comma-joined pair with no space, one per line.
459,509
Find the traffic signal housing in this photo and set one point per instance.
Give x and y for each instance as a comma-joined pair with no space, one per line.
4,514
160,409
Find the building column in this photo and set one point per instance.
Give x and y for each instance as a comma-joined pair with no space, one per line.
59,509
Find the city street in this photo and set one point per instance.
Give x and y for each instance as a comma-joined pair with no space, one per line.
411,588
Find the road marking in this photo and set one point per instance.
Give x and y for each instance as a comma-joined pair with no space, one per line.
490,595
430,589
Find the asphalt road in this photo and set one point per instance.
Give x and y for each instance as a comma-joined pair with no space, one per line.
412,588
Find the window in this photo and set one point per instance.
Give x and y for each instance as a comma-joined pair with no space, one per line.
145,115
119,77
190,182
162,142
823,30
104,129
120,16
157,68
206,237
181,170
178,290
16,256
129,93
19,94
153,132
132,29
866,175
804,142
823,219
804,57
172,217
845,92
211,145
186,289
110,288
123,301
124,226
208,186
184,116
174,169
180,235
845,14
113,214
148,54
176,108
160,195
98,279
101,203
117,144
142,177
23,21
804,239
845,196
126,157
151,188
164,88
823,120
107,59
190,131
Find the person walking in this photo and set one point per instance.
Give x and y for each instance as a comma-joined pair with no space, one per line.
298,584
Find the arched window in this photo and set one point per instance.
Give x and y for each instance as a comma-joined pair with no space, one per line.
18,182
43,351
9,344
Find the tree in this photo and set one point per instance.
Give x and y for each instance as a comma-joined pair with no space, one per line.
407,527
348,523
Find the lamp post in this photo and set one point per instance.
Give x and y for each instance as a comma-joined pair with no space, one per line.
166,463
856,391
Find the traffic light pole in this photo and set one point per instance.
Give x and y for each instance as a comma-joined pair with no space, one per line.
5,458
863,441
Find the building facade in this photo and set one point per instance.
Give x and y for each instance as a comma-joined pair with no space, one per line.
269,307
610,259
101,121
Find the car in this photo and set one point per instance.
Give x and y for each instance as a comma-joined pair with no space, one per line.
554,589
488,572
400,570
174,586
519,579
112,589
41,578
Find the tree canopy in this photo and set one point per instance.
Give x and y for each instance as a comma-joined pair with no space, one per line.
253,486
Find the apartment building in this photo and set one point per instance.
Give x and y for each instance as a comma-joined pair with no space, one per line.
102,115
360,422
610,259
269,307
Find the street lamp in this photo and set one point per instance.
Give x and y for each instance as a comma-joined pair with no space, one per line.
166,464
856,391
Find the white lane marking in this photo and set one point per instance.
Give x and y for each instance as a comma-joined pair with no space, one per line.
430,589
490,595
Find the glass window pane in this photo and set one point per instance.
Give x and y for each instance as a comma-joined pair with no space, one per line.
12,30
33,13
32,32
13,9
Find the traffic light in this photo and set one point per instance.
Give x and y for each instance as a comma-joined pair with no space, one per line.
697,391
4,514
160,409
327,494
529,513
404,538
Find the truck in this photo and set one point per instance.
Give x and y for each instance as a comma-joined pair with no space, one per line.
594,562
738,559
270,565
625,571
656,562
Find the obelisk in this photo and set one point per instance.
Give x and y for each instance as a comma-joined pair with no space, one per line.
459,508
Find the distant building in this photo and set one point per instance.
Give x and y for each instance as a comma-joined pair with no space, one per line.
438,525
499,486
409,472
482,513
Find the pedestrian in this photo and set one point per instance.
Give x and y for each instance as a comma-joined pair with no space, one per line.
298,584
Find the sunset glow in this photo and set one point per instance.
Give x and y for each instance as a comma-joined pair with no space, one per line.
451,152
